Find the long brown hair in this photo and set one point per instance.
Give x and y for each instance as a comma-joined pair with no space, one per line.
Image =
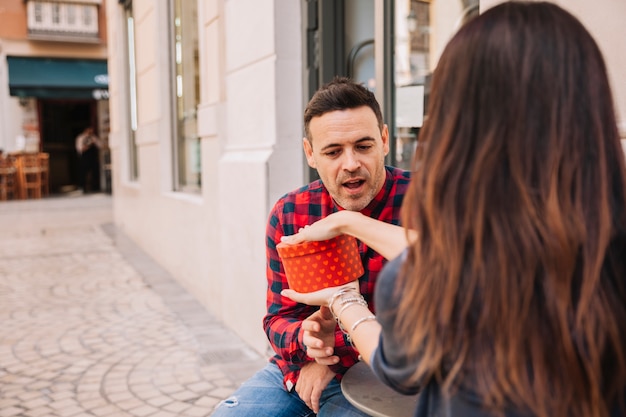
516,287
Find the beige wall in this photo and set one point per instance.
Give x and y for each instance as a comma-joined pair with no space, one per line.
605,19
249,121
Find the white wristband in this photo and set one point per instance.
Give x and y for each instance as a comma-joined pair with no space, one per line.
361,320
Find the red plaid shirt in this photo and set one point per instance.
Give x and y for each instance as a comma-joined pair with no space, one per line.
284,316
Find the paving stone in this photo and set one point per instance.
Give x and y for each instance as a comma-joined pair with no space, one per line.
10,412
91,326
35,402
164,414
8,402
38,412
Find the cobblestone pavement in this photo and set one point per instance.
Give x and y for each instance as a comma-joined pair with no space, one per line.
91,326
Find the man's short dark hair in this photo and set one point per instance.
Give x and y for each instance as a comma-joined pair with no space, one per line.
340,94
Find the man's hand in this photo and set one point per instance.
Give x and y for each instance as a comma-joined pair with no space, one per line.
319,339
312,381
319,336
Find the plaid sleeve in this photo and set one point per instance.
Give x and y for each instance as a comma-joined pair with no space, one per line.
283,319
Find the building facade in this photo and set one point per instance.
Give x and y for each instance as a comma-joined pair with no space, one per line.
53,80
206,103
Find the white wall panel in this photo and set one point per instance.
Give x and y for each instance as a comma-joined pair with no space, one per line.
249,31
252,106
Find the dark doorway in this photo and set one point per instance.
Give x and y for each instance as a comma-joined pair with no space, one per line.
61,122
325,39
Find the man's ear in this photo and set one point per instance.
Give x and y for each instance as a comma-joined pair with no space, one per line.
385,138
308,152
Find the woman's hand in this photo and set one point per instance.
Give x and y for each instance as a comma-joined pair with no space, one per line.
385,238
318,298
324,229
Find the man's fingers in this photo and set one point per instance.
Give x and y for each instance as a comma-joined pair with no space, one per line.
303,388
319,353
303,393
311,326
315,400
328,360
322,355
312,342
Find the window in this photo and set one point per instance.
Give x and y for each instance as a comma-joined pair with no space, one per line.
132,92
420,26
56,14
87,16
71,14
411,75
186,94
38,12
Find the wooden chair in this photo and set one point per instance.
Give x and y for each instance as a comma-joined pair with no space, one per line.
8,183
44,164
30,176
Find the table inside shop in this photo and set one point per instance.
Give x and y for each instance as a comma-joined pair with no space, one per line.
367,393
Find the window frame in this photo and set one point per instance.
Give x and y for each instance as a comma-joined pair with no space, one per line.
131,97
186,143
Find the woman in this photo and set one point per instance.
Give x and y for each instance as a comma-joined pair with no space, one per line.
512,301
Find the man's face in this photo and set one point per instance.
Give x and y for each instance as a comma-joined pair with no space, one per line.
348,151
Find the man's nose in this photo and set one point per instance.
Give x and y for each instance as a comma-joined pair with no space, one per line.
351,161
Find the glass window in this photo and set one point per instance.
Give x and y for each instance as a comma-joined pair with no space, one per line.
56,14
132,92
87,15
38,12
421,29
186,96
71,14
412,74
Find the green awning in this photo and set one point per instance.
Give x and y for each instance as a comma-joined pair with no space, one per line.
58,78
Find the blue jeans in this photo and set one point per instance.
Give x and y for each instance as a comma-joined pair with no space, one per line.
263,395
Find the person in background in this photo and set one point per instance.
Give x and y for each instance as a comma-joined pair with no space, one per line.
511,301
88,146
346,142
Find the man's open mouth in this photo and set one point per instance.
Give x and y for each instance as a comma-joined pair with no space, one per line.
353,184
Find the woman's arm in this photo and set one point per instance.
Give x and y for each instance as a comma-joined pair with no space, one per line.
387,239
348,308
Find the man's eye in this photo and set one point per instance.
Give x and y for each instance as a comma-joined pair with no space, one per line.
364,147
331,153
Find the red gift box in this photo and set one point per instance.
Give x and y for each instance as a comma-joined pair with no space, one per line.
312,266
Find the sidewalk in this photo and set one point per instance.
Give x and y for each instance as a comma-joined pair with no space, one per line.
91,326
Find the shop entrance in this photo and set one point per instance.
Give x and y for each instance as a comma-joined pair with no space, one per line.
61,121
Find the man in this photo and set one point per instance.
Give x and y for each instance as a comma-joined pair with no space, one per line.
88,147
346,142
